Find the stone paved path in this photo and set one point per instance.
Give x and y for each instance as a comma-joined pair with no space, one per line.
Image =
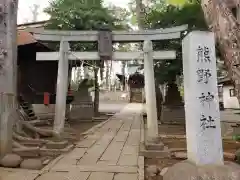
109,152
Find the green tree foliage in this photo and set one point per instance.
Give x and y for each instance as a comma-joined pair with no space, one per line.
169,16
82,15
85,15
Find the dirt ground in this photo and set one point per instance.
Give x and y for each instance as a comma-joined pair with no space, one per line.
173,136
79,127
73,132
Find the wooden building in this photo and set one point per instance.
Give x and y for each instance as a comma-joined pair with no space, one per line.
34,77
227,94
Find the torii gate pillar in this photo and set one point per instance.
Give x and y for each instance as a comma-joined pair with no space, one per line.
62,84
150,93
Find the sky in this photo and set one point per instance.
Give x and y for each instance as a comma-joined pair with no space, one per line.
25,15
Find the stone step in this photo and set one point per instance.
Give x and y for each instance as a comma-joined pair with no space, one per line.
25,103
33,117
31,114
24,107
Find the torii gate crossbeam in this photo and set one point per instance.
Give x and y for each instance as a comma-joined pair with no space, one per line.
118,36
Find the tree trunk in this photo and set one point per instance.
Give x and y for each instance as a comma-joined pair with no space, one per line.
124,76
96,92
107,75
110,76
159,100
140,14
222,22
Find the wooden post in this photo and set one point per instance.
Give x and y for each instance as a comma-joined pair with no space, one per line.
8,72
62,85
151,107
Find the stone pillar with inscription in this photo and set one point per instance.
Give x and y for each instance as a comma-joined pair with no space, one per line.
203,131
201,99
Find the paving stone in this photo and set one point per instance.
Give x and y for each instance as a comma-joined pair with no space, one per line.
124,176
93,154
95,168
128,160
107,163
76,175
35,164
134,137
128,150
95,136
77,153
20,175
121,136
126,126
73,175
106,138
86,143
113,152
101,176
68,161
108,150
136,124
133,141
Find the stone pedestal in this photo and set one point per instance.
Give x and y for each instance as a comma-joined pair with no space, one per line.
82,106
136,95
173,114
188,171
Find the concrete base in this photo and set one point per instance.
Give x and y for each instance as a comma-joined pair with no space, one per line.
186,170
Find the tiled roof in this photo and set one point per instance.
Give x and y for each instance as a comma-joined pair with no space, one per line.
24,38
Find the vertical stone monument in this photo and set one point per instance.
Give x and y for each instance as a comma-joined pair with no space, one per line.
203,131
201,99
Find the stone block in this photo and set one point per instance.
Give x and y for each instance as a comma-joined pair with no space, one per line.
188,171
121,176
11,160
128,160
56,145
155,153
95,168
64,175
154,146
93,154
35,164
21,176
130,150
101,176
113,151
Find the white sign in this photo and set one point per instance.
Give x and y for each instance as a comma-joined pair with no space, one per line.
203,130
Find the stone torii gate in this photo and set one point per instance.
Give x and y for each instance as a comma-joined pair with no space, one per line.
64,55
